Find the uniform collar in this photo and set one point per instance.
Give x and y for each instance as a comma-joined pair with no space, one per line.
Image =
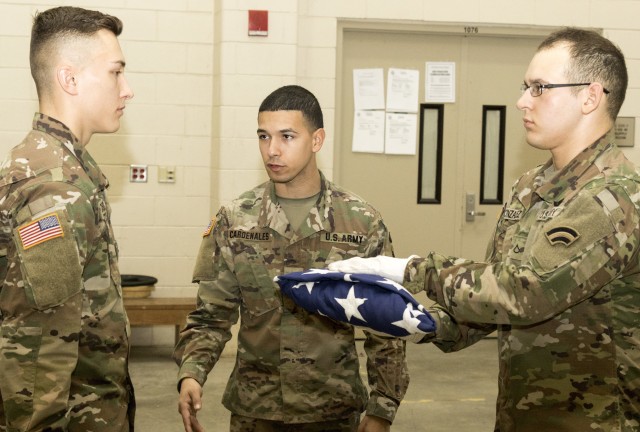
59,131
272,215
556,189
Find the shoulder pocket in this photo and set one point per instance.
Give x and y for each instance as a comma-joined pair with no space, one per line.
572,236
49,258
204,268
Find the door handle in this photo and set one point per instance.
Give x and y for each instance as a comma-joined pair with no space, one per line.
475,213
470,208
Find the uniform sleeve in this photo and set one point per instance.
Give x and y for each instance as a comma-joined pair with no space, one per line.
209,327
571,258
40,338
387,369
452,335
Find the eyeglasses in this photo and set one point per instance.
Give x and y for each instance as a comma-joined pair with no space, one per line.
536,88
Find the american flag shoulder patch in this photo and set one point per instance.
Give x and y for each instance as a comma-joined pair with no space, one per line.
39,231
207,231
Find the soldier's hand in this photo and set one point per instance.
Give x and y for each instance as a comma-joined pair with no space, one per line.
189,404
374,424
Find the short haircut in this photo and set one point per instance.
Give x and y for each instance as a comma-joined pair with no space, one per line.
295,98
593,58
56,26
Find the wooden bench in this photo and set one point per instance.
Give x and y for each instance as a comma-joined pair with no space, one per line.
159,311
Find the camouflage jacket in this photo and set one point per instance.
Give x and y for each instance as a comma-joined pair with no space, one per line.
65,342
562,286
291,366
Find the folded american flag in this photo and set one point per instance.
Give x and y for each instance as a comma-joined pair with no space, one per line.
363,300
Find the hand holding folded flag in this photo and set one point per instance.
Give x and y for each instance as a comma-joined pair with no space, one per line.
363,300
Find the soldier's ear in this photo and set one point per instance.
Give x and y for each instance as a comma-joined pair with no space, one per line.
593,98
317,140
67,80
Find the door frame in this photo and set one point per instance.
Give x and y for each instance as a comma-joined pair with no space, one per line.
461,32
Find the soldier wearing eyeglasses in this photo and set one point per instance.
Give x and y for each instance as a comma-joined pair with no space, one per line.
561,279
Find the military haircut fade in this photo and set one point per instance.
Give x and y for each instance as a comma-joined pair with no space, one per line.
58,24
594,58
295,98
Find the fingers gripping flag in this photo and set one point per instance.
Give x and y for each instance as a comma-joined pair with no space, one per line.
363,300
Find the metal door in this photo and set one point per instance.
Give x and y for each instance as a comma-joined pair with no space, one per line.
489,71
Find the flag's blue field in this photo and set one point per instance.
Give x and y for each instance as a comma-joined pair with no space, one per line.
362,300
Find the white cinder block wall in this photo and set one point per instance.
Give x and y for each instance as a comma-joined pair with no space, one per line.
198,79
168,46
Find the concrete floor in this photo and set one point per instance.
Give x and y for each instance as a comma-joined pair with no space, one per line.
448,392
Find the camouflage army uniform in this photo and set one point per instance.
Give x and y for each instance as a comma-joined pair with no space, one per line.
291,366
65,343
562,287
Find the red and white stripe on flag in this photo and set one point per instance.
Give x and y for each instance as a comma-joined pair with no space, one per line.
46,228
209,228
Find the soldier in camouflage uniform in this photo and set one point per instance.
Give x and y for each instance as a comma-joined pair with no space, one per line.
561,283
64,333
294,371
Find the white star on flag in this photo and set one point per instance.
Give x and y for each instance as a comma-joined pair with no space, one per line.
317,271
409,321
350,305
309,286
393,284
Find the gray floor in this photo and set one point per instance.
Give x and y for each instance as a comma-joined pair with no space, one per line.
448,391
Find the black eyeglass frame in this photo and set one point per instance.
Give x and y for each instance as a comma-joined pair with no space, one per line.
542,87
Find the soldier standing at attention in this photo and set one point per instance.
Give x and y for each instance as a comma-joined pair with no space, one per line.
561,281
65,335
294,371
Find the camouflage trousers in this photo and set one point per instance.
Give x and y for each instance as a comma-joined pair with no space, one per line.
248,424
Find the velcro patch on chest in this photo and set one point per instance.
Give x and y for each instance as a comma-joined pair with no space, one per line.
343,238
549,213
563,235
512,214
250,235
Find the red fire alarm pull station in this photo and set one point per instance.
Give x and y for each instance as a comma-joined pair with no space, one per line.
258,23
